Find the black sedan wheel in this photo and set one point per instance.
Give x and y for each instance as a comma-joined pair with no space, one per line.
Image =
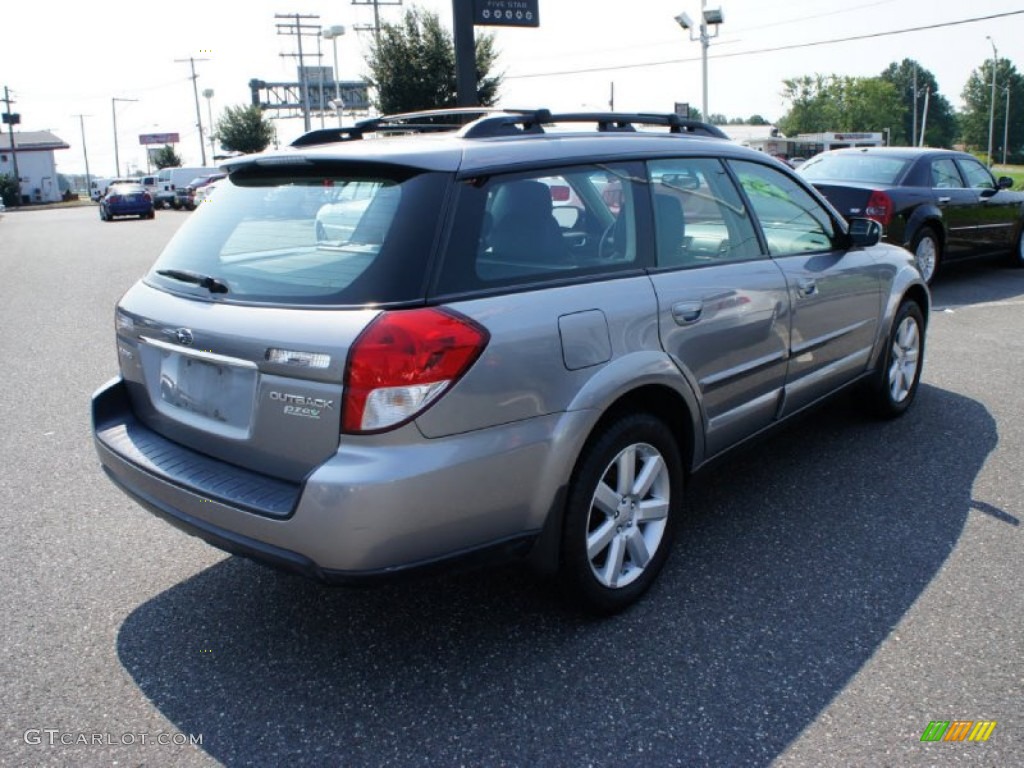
927,253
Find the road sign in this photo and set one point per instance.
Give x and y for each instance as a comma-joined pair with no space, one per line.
158,138
683,109
506,13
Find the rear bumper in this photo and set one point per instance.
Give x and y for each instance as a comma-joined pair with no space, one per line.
372,510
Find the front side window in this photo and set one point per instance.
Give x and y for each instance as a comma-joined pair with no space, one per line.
977,174
545,225
699,217
347,236
791,219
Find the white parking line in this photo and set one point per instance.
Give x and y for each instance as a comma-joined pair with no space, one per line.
982,305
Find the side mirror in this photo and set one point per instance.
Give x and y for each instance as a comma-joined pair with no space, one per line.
865,233
1005,182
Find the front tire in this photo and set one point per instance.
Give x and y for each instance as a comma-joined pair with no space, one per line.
896,385
927,252
624,500
1017,257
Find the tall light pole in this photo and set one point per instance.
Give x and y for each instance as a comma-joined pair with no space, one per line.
208,95
332,33
117,158
992,104
1006,123
195,89
714,17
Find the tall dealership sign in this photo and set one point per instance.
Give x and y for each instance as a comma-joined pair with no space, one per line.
495,13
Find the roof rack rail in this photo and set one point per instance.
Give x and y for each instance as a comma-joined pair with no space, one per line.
607,122
425,121
484,122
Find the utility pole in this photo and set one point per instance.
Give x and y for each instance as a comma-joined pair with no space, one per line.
299,30
195,90
12,119
376,16
85,152
913,130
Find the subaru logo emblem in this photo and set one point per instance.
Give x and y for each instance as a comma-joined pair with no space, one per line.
184,336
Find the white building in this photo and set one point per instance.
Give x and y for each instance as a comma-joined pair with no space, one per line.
37,166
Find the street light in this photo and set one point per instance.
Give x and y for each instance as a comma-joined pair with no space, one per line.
113,109
992,104
332,34
714,17
208,95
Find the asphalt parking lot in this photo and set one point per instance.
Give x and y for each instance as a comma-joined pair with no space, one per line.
832,591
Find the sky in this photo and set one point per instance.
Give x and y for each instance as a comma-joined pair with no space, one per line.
64,59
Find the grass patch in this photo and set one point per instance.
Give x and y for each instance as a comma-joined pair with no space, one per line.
1015,172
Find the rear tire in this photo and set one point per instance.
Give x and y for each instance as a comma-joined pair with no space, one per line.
927,252
624,500
895,385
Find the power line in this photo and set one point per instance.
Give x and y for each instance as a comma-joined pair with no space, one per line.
767,50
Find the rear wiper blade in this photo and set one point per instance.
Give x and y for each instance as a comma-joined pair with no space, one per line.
212,284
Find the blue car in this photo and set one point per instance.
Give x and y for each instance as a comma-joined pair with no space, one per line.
126,200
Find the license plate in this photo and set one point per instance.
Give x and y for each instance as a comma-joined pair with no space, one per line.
222,393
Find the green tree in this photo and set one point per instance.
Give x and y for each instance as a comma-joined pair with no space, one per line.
412,65
757,120
166,157
9,189
838,103
941,129
977,97
244,129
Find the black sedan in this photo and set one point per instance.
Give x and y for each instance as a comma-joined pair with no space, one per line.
940,204
126,200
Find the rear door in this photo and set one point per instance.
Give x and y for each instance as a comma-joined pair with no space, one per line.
723,306
834,293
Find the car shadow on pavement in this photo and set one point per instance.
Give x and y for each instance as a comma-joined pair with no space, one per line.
796,561
976,281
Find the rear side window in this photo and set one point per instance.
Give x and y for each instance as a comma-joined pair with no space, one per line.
547,225
315,238
945,175
699,217
791,219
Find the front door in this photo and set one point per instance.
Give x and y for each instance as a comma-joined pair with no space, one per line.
833,292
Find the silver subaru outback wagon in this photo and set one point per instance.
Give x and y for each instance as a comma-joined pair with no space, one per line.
394,345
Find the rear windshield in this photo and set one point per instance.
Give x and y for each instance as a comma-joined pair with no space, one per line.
345,237
854,167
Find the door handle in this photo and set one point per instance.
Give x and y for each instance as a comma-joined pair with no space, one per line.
806,287
687,312
944,200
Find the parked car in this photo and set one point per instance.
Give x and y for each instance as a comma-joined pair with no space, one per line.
185,196
126,199
941,204
168,180
451,375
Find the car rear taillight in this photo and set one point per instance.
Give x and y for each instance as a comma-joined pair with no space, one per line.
146,196
879,208
402,362
114,199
